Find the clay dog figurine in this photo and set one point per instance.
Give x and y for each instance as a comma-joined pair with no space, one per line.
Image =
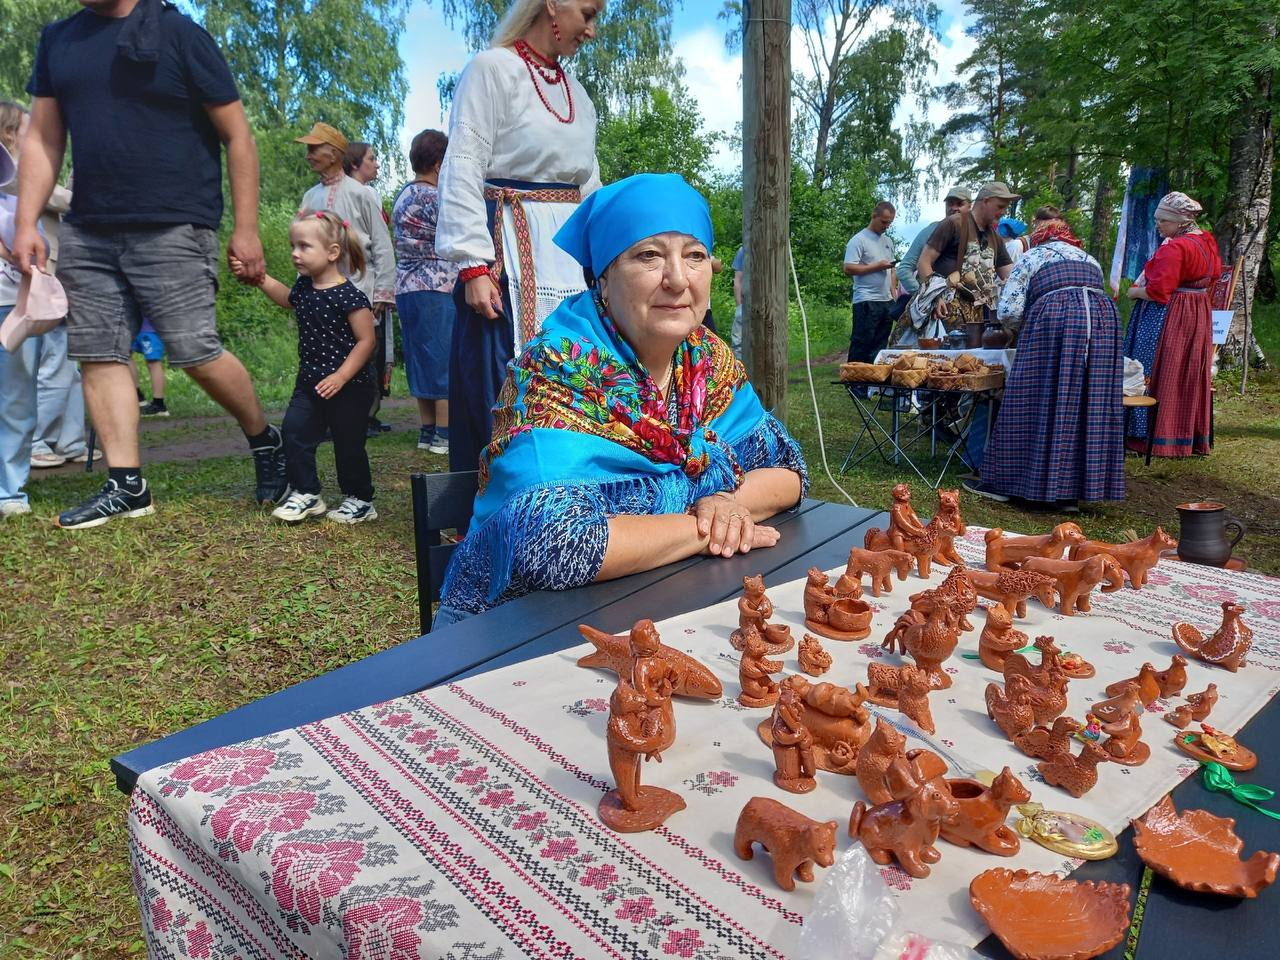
1075,579
1136,558
613,652
1012,588
1229,644
983,809
906,687
794,841
906,828
881,564
1007,553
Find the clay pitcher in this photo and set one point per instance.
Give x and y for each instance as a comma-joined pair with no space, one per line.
1203,534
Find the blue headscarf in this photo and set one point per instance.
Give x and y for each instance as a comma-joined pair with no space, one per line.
1010,227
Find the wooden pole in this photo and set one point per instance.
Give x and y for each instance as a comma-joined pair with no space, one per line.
766,195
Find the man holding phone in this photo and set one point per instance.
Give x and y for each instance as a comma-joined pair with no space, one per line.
869,259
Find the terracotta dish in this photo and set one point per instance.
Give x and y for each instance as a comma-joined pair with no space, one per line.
1201,852
1212,744
1039,916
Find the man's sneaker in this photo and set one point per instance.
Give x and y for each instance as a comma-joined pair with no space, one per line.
108,503
353,510
13,508
154,409
425,437
268,465
298,506
978,490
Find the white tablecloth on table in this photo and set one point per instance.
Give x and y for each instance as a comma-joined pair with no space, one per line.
461,822
1002,357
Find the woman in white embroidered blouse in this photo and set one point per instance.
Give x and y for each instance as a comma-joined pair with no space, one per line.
522,153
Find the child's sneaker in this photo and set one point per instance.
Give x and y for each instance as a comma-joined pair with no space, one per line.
426,436
439,441
353,510
298,506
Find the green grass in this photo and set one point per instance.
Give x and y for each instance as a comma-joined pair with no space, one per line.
117,636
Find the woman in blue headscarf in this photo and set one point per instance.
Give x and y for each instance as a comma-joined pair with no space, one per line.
626,436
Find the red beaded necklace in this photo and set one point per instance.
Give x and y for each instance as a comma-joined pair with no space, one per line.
552,74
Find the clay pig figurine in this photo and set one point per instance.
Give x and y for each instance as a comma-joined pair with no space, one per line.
794,841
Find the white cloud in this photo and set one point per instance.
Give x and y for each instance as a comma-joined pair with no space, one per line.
429,48
713,77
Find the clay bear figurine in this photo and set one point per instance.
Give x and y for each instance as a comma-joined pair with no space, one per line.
754,669
883,747
794,841
754,610
813,659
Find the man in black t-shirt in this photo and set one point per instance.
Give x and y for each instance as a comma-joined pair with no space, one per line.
149,102
943,253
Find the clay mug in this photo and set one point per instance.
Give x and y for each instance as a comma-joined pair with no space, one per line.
1202,534
973,334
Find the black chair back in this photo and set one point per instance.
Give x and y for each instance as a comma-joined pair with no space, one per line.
441,501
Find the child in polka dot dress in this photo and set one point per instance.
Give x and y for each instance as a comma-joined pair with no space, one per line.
335,386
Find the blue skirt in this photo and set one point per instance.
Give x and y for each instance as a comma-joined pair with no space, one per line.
426,323
1141,339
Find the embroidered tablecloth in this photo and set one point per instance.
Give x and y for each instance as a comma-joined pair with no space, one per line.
461,822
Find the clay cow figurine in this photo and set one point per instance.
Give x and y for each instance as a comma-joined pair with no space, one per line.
881,564
792,743
1075,579
1136,558
907,828
754,669
983,810
813,659
1076,774
754,610
998,638
794,841
1008,553
1013,587
1229,644
883,747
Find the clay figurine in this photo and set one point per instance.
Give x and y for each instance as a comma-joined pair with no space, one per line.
1212,744
844,619
1076,774
1124,742
848,588
981,818
883,747
1045,743
813,659
837,718
792,742
905,829
1066,833
638,728
949,527
1127,701
613,652
881,564
1013,587
922,545
794,841
1229,644
777,639
1041,916
1201,852
1075,579
957,590
904,525
1148,688
1048,696
754,610
1008,553
1075,666
754,669
1172,680
998,638
1135,558
925,633
1010,706
1180,716
1202,704
906,688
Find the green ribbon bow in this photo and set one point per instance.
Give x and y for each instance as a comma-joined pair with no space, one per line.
1218,778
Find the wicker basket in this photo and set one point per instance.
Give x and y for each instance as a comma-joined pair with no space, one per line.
865,372
909,378
988,380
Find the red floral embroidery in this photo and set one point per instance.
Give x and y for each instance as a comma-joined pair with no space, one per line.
682,943
234,766
601,878
560,849
1266,608
161,915
199,940
397,719
472,775
637,910
422,736
446,755
1208,591
383,930
307,873
497,799
530,821
247,815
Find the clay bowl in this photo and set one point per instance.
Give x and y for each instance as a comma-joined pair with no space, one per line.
1039,916
1201,852
849,615
929,343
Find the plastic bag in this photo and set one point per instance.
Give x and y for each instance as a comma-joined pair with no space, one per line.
1135,380
856,916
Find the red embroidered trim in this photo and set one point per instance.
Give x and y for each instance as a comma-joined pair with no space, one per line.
470,273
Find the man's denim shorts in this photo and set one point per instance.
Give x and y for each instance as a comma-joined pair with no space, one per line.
116,275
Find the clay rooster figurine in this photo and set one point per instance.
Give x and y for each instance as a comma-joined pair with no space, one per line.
813,659
1229,644
1076,774
1048,695
1010,706
1006,553
1136,558
926,633
1048,742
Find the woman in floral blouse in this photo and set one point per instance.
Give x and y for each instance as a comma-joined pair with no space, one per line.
424,291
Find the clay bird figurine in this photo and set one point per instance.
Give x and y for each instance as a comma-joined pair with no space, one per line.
1120,706
1010,707
1148,686
1229,644
1048,742
1172,681
1076,774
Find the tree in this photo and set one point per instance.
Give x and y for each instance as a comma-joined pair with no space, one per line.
630,54
665,136
299,61
20,24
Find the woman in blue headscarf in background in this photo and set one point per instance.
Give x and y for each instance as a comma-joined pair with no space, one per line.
626,436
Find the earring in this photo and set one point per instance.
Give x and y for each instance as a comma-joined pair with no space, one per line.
555,30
